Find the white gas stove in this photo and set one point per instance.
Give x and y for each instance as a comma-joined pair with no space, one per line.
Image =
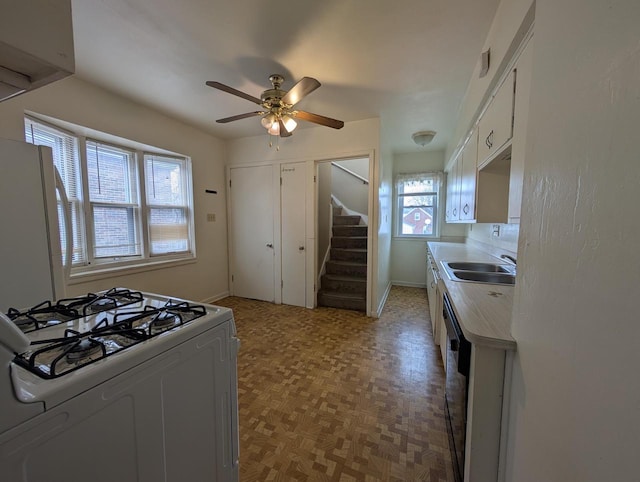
118,385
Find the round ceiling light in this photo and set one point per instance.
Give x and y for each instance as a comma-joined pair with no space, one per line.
423,138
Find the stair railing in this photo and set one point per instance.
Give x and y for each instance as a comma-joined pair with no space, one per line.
349,171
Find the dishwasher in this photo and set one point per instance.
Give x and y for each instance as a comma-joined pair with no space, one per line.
458,359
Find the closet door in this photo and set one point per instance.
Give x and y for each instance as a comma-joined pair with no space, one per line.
293,198
251,232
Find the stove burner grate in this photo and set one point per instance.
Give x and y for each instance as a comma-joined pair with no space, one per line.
52,358
92,303
42,315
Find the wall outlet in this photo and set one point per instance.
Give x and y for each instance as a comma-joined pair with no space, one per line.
211,217
495,230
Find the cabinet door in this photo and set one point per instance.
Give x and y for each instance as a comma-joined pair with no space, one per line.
452,212
468,179
520,117
496,125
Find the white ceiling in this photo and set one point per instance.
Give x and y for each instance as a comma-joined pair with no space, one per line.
405,61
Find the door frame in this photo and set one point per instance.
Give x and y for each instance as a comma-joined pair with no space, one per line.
372,234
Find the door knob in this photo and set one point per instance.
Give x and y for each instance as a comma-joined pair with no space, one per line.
269,245
300,248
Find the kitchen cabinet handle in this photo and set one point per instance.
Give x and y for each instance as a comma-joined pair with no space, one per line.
300,248
489,140
269,245
455,211
466,209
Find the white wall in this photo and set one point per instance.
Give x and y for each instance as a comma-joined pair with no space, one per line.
324,212
352,193
408,256
383,216
84,104
576,390
483,233
355,139
359,166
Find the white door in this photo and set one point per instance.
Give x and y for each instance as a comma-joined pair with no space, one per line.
292,197
251,226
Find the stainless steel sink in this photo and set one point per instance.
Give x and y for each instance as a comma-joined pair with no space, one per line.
480,272
484,267
483,277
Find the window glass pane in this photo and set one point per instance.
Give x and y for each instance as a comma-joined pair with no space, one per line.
426,200
168,230
418,220
164,181
416,186
110,174
115,232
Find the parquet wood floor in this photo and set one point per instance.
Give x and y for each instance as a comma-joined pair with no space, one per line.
331,395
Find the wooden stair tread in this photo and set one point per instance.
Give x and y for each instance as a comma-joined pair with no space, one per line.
342,295
346,263
341,277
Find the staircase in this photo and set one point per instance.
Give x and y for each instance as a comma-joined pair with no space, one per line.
344,285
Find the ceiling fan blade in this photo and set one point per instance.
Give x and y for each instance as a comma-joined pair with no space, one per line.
238,117
319,119
231,90
283,130
304,87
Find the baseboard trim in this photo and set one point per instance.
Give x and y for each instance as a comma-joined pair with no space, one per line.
214,298
382,301
408,284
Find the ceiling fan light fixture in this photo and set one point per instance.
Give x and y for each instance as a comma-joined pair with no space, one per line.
268,120
274,130
289,123
423,138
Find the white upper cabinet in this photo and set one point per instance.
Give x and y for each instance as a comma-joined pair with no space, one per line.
485,180
496,125
468,179
452,207
521,115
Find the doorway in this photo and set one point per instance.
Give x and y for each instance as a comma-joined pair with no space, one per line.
343,233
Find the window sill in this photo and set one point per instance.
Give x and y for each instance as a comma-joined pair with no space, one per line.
105,272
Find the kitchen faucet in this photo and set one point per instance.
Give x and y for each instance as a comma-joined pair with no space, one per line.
510,258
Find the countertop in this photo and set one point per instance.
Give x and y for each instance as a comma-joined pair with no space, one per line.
483,310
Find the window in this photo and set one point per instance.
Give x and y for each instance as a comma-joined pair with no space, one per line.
167,207
418,203
136,207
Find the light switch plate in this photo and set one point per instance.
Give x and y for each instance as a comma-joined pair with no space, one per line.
211,217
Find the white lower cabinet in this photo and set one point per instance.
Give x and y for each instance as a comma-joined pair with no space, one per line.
488,399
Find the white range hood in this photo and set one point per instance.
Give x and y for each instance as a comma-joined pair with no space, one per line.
36,44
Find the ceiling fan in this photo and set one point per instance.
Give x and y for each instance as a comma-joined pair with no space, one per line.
279,114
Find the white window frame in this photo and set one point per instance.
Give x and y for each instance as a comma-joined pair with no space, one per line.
398,198
187,187
101,267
